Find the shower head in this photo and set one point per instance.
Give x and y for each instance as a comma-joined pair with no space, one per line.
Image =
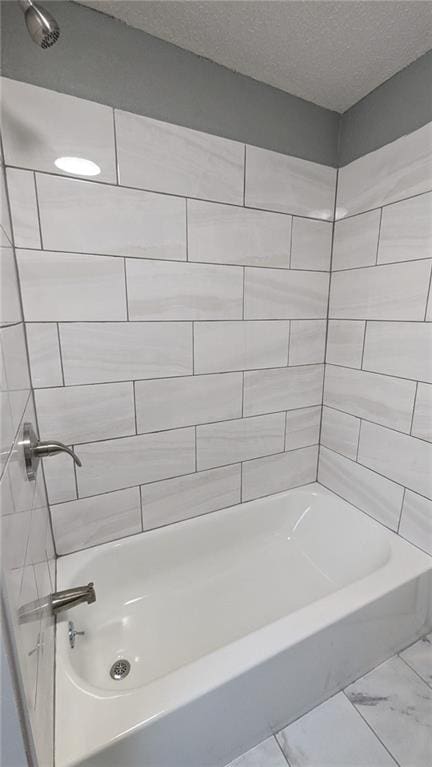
42,27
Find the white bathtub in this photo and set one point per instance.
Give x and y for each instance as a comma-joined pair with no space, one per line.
234,623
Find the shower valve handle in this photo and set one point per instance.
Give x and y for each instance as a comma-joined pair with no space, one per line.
35,449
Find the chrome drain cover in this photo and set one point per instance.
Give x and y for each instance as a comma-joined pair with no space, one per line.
120,669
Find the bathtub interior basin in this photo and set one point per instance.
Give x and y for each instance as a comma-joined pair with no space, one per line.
255,608
196,586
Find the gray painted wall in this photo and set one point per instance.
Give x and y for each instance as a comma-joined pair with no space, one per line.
399,106
102,59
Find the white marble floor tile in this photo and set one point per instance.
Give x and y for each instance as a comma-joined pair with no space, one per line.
332,735
397,704
419,657
265,754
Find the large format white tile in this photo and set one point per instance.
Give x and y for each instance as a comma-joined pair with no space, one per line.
307,342
90,521
74,414
345,342
96,352
356,241
22,195
265,754
230,235
302,427
340,432
397,170
96,218
41,125
60,480
71,286
416,521
169,158
333,735
228,442
419,657
160,290
275,473
311,244
118,463
267,391
406,230
221,346
400,457
368,491
288,184
44,354
10,307
379,398
15,385
385,341
172,500
388,292
397,705
168,403
276,294
422,421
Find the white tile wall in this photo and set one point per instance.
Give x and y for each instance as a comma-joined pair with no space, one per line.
340,432
228,234
44,354
41,125
266,391
275,294
422,419
175,160
224,346
398,170
174,291
175,499
390,292
406,230
228,442
345,342
311,244
10,308
307,342
288,184
71,287
25,222
384,342
276,473
85,217
118,351
170,403
416,520
356,241
302,427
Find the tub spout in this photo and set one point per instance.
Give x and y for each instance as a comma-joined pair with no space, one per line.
64,600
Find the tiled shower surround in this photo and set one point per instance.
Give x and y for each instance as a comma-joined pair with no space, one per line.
177,308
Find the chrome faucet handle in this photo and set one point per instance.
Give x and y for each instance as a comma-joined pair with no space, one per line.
35,449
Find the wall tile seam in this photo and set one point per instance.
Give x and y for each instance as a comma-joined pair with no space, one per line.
382,205
376,423
378,372
176,377
380,263
428,298
177,196
389,479
401,510
182,476
194,425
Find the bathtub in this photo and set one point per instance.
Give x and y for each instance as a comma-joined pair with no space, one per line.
234,624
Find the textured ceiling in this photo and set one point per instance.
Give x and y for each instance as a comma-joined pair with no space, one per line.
331,53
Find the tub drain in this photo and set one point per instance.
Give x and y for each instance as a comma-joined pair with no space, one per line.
120,669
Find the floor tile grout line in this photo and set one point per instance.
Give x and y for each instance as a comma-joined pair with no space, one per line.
280,747
428,684
370,726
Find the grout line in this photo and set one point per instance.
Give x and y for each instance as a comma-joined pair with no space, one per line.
358,439
369,725
381,263
279,745
425,681
60,356
196,448
413,410
38,211
376,372
193,350
117,165
428,297
141,508
135,407
285,430
75,475
401,509
243,393
376,423
244,177
379,207
379,236
186,231
126,290
244,284
364,343
220,321
241,481
291,242
290,322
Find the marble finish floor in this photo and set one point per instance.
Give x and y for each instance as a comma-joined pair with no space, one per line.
384,719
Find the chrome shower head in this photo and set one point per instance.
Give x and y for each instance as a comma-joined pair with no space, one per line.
42,27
